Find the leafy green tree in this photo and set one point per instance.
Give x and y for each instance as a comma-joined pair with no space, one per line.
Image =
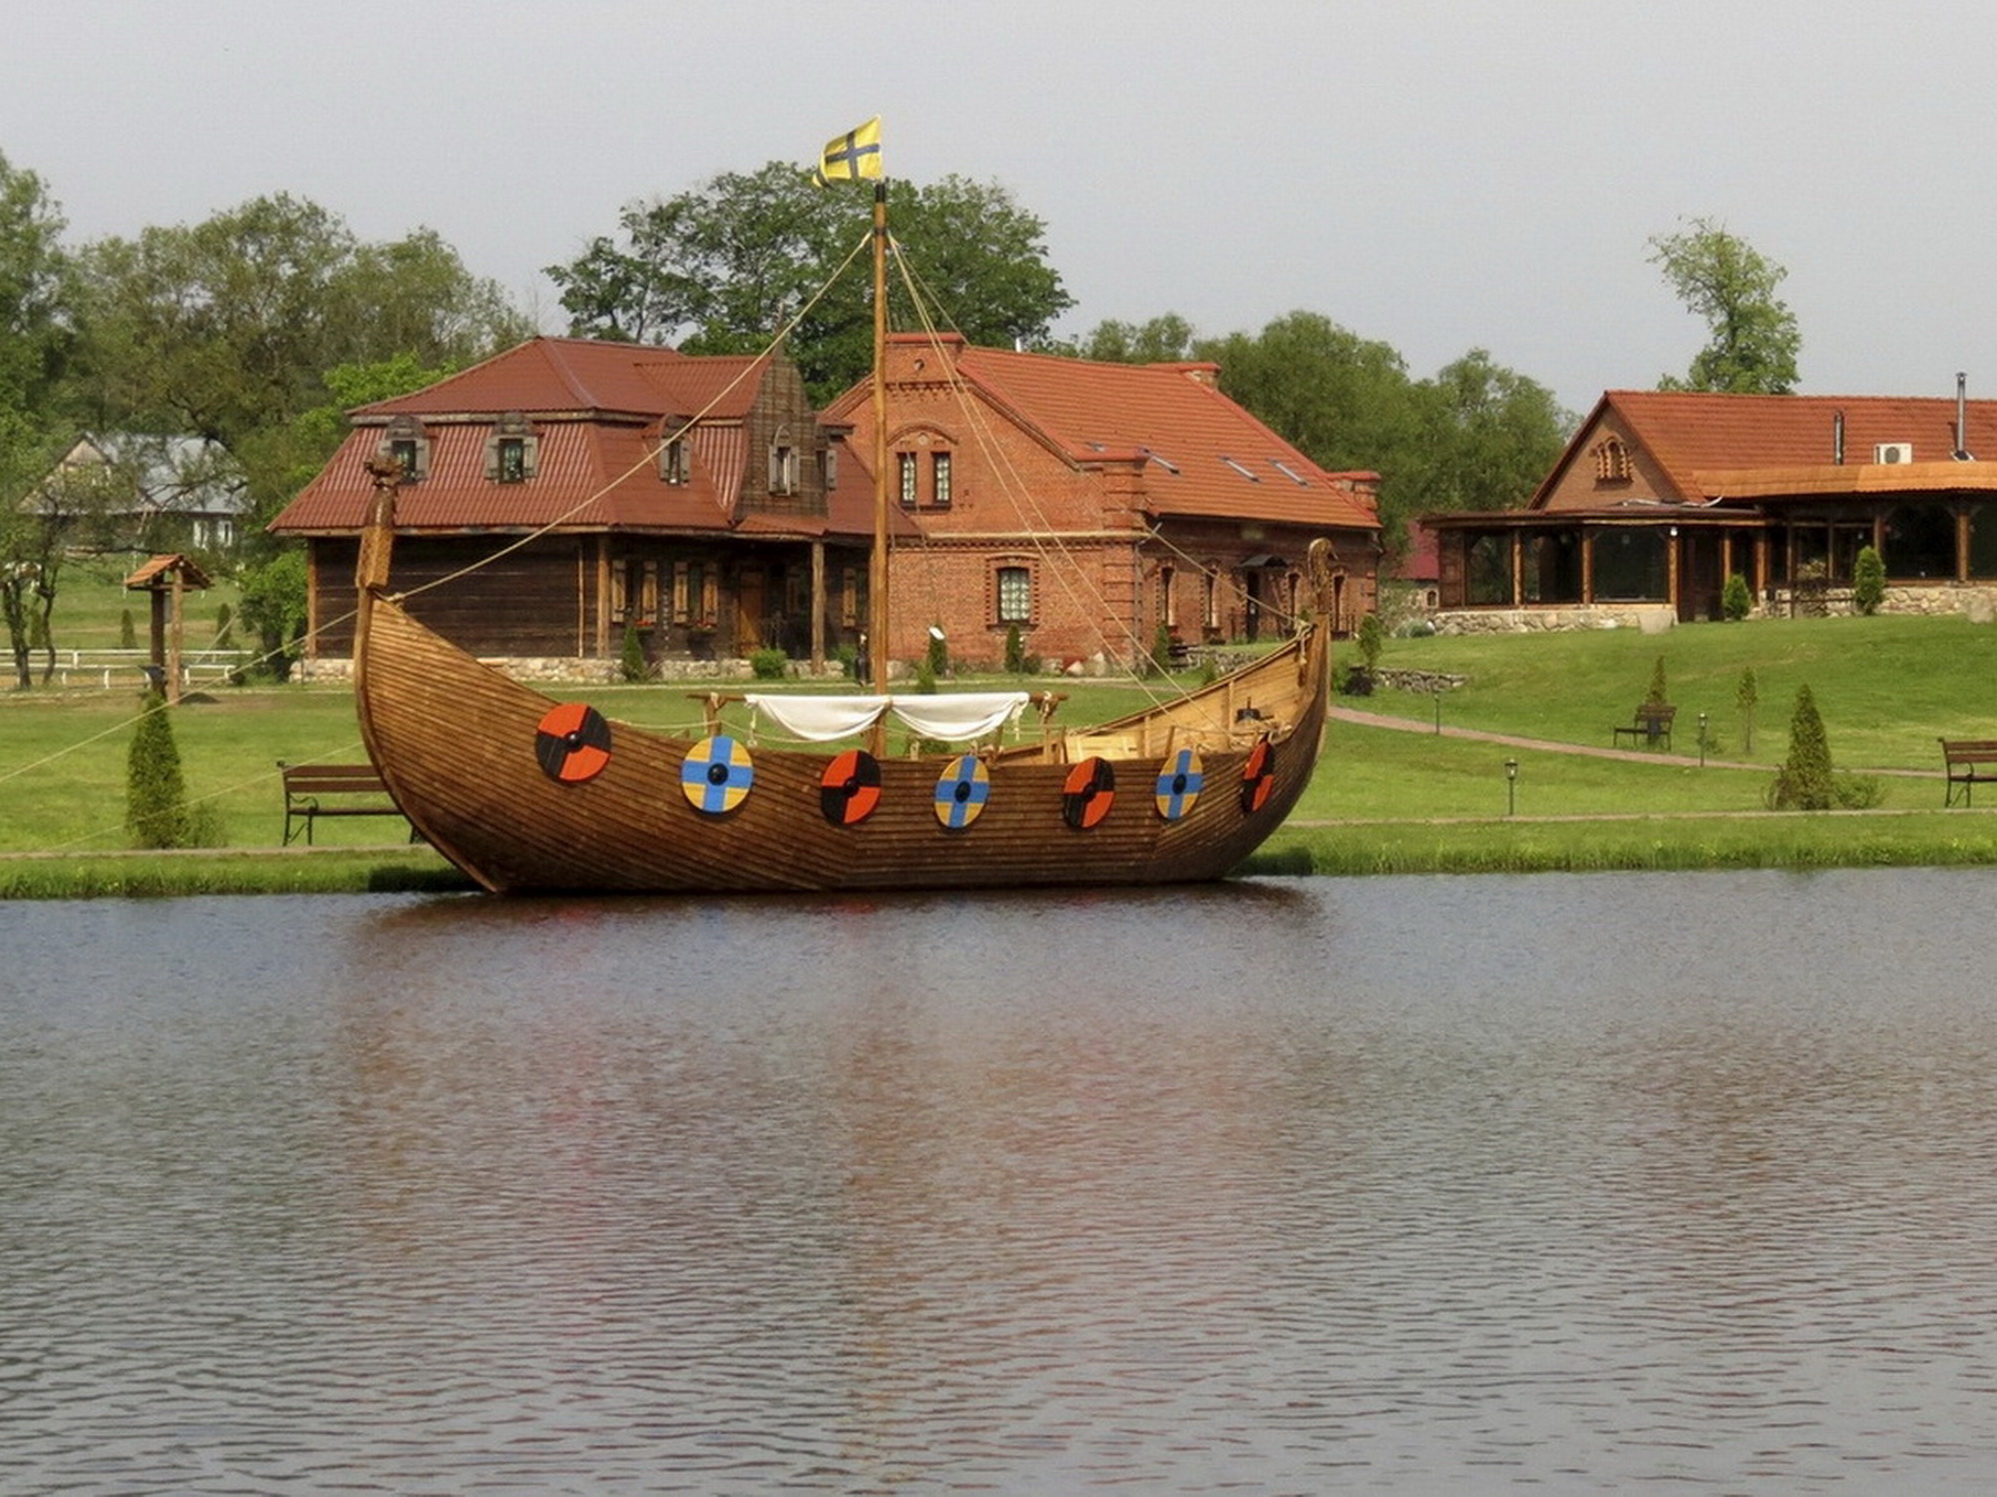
723,267
66,510
273,610
156,813
37,289
1722,278
1476,436
225,329
1747,697
1868,581
1491,435
1167,339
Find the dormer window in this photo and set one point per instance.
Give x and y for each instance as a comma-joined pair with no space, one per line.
1612,461
404,442
676,457
831,466
783,465
512,452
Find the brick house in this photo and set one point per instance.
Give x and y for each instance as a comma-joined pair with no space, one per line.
1089,504
1662,495
686,498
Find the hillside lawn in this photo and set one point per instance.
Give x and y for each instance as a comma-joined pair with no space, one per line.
1383,800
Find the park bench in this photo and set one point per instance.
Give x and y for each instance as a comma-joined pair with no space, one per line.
1968,762
308,786
1651,723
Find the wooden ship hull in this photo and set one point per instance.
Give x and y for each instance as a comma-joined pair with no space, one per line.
465,752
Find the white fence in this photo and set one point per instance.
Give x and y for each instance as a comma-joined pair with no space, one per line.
106,669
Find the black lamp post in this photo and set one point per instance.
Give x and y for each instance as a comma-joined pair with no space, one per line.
1511,786
1702,740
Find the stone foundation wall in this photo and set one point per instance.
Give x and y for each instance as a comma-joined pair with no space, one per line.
1651,618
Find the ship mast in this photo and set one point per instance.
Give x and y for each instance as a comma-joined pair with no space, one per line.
877,571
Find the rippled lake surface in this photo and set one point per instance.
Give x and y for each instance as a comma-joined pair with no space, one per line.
1294,1186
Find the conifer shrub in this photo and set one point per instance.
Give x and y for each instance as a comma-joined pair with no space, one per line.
631,662
1746,698
128,633
769,664
938,656
1161,650
1736,602
1804,781
1656,696
1015,650
155,793
1370,638
1868,581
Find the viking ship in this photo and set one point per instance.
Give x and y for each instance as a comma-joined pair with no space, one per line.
527,793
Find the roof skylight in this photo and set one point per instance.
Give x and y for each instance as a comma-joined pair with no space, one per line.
1239,468
1290,473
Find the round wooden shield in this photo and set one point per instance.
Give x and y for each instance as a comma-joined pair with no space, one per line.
850,788
572,743
961,792
716,775
1088,792
1258,776
1180,780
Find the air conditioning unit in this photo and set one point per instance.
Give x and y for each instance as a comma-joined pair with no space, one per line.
1893,452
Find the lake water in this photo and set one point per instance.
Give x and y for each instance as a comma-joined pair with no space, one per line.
1687,1181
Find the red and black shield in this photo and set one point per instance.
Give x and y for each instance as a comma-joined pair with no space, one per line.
573,743
850,788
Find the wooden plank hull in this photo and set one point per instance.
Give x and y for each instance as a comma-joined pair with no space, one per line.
454,741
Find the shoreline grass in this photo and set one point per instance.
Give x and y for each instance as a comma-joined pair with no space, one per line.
1385,800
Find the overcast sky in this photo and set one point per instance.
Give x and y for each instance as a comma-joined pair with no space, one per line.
1440,176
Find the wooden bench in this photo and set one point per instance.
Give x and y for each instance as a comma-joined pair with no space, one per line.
1968,762
1651,723
307,785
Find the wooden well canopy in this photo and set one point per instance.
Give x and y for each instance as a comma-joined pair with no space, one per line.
167,578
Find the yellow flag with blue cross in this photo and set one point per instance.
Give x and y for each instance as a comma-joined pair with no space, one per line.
848,157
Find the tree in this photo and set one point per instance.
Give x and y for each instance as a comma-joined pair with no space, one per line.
1736,599
723,267
156,813
1804,781
1657,695
226,329
1723,279
1166,339
1491,435
36,291
1476,436
1868,581
273,609
1747,697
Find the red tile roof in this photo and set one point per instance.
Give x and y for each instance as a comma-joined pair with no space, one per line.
1705,443
597,410
578,374
1204,455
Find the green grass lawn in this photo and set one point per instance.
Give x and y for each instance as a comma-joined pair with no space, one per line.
1887,688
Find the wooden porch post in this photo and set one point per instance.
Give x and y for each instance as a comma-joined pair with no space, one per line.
817,606
1587,565
603,596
